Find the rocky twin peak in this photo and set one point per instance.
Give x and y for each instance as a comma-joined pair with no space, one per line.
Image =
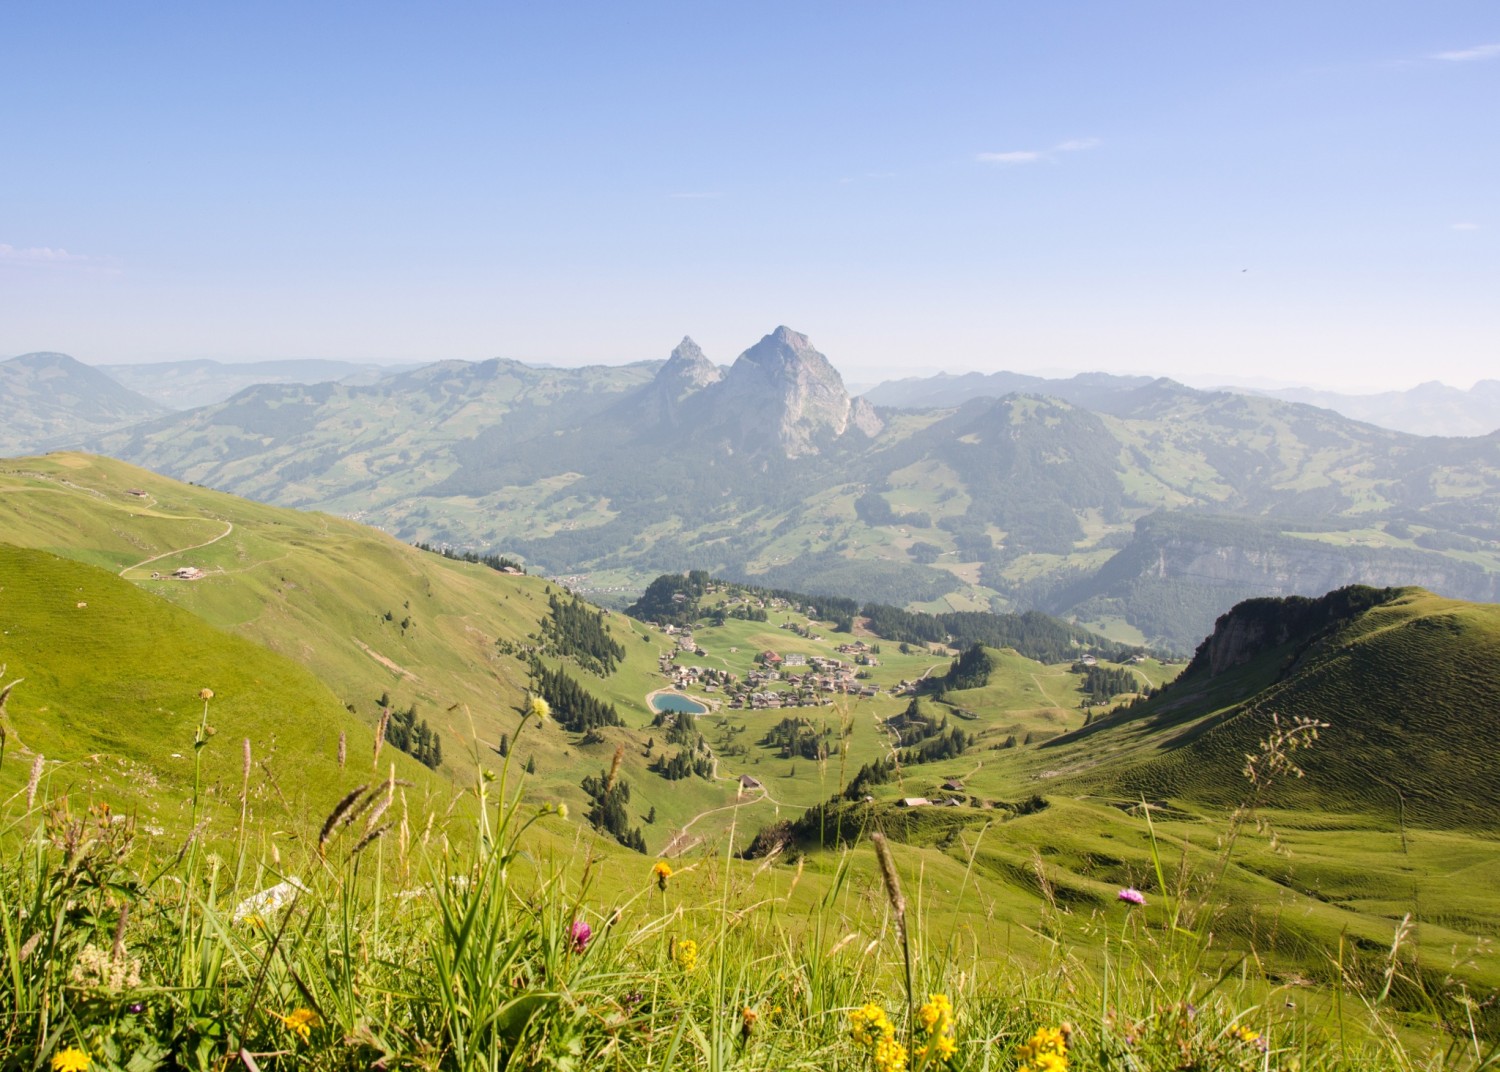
685,373
688,369
784,389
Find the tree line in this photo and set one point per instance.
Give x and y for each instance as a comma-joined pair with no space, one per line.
572,705
576,629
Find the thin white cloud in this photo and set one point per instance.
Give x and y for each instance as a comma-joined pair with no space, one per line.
1469,55
48,259
1022,156
40,255
1033,156
1466,225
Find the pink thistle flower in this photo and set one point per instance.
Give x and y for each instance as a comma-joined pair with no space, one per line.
1131,895
580,932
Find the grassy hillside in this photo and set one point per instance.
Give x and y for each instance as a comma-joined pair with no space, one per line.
1023,871
1398,681
109,694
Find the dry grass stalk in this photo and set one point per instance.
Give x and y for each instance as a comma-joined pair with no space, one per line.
614,767
368,838
385,721
5,690
385,802
343,748
34,781
340,810
119,947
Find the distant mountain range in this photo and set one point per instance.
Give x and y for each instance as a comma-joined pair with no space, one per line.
1143,508
1140,507
1427,409
1431,409
50,400
189,384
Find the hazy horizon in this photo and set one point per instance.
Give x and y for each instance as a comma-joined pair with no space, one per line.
1208,381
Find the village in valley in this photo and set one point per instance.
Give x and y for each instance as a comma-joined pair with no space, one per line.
810,671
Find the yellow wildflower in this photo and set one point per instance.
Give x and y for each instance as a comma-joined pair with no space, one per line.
562,810
936,1018
661,872
1247,1036
869,1023
538,708
1047,1051
71,1060
870,1026
889,1055
686,954
300,1022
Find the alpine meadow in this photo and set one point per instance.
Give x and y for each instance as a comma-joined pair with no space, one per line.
1074,646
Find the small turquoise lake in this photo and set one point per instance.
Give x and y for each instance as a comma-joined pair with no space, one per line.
676,703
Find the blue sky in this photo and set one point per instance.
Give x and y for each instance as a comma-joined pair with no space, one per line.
1273,191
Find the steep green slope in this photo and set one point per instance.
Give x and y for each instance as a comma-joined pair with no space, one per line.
366,614
1399,680
110,696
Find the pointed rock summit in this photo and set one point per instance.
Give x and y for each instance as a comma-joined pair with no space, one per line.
784,388
685,373
688,369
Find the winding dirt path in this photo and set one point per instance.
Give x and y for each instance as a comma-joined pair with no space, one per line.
680,842
228,528
1043,690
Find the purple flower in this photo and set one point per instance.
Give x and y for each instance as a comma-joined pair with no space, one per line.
1131,895
136,1008
580,932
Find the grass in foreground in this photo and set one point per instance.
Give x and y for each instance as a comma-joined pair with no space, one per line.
402,940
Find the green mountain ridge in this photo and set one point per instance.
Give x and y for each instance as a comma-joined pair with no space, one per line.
50,400
1395,679
769,472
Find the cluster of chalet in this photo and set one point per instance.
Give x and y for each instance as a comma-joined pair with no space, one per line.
705,677
864,654
685,644
822,674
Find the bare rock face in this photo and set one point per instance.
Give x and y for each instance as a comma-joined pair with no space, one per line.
862,416
782,389
688,370
686,373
